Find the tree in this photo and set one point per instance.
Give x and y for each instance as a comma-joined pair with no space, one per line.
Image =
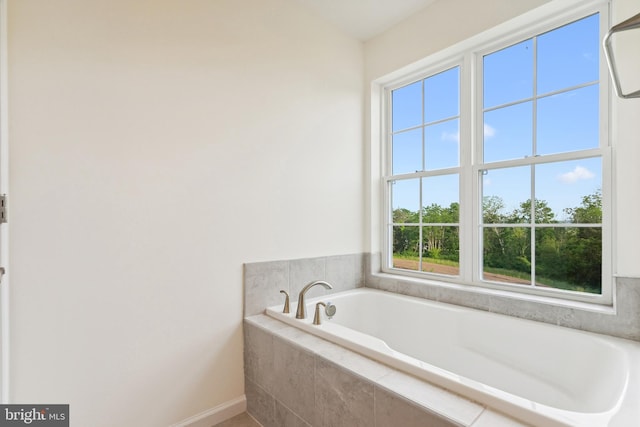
405,238
584,244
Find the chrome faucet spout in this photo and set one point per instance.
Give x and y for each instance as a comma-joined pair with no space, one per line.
301,312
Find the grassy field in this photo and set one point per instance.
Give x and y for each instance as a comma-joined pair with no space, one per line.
451,268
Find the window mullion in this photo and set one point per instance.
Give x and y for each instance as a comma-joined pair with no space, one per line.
534,151
468,183
424,168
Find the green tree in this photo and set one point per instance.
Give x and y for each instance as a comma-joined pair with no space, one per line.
584,244
405,237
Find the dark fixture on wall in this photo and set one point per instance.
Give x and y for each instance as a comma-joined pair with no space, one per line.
630,24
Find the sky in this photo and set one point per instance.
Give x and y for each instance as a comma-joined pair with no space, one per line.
539,98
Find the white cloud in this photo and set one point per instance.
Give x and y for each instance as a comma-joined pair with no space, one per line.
578,174
451,136
489,131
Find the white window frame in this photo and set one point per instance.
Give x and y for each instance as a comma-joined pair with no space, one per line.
468,56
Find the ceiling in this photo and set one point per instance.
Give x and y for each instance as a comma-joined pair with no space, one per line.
365,19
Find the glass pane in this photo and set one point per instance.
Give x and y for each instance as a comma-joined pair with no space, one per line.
407,152
508,133
568,121
405,200
507,255
569,258
506,195
569,55
508,74
570,191
442,145
406,106
441,247
406,247
440,199
441,96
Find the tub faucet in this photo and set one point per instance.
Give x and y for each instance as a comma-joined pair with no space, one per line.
300,312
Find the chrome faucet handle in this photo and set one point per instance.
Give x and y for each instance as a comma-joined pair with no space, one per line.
286,301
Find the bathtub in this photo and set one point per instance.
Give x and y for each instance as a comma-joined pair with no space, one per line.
541,374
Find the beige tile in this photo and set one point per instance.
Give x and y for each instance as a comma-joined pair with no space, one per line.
258,356
344,272
490,418
304,271
355,363
260,404
265,322
431,397
341,399
262,284
393,411
293,372
284,417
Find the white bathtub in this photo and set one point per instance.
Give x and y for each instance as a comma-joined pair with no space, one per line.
541,374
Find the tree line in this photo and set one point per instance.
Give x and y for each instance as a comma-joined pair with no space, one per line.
566,257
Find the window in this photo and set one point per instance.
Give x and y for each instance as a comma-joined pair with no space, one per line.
426,168
497,163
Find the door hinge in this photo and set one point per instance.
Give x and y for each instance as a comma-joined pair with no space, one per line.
3,208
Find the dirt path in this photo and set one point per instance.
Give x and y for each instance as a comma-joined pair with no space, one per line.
450,270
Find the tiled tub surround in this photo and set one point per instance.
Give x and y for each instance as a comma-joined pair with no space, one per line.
270,338
542,374
293,379
264,280
622,320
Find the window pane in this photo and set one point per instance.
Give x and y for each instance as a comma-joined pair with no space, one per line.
569,55
440,250
569,258
405,200
442,145
407,151
507,255
407,106
440,199
406,249
441,96
506,195
568,121
508,133
571,190
508,74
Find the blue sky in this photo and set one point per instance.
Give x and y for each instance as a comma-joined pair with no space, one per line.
515,126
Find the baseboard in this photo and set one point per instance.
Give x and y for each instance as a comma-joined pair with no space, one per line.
215,415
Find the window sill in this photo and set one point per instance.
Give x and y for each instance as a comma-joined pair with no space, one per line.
535,307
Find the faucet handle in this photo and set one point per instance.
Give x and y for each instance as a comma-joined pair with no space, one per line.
329,310
286,301
316,317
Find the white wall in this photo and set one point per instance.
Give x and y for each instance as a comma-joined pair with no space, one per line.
445,23
626,142
438,26
155,147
